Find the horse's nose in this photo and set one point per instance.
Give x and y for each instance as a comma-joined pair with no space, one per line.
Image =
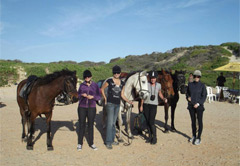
141,94
75,99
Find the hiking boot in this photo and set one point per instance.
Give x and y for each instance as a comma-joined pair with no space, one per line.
197,142
93,147
109,146
192,139
115,143
79,147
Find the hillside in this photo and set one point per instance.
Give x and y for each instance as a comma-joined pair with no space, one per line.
205,58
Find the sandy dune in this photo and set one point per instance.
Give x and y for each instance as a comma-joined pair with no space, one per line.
220,139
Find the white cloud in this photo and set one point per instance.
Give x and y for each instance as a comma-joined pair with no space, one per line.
74,20
190,3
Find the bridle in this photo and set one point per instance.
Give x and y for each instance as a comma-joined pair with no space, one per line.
165,87
141,89
182,81
66,90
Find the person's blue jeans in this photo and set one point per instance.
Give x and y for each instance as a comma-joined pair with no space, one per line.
112,114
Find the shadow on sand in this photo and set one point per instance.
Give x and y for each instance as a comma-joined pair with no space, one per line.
40,124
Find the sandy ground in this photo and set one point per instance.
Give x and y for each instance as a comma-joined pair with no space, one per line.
220,139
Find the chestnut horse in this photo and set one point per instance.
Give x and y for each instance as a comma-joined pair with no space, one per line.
166,81
41,101
171,84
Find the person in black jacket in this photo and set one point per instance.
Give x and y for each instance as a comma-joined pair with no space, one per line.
196,96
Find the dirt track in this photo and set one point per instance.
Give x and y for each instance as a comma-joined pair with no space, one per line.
220,139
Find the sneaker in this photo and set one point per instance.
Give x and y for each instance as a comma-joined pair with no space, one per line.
79,147
191,139
197,142
115,143
93,147
109,146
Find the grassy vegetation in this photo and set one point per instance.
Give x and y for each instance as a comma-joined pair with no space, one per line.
204,58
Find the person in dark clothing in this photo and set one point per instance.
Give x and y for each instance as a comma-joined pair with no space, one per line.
196,96
112,101
88,93
221,80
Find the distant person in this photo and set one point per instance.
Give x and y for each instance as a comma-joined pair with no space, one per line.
221,80
88,93
190,77
196,96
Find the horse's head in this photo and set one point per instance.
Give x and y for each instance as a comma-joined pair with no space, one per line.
180,80
166,81
70,83
140,83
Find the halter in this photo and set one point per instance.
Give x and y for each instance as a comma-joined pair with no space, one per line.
141,90
182,83
165,90
66,92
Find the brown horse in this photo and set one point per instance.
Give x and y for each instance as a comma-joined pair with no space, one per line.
166,81
171,84
41,101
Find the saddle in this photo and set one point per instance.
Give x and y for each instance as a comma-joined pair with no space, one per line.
26,89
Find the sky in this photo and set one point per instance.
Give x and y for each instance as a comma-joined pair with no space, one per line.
44,31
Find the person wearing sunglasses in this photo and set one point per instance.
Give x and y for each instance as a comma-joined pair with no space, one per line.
196,96
112,102
88,94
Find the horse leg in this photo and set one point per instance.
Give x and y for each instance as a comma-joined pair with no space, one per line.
166,117
120,122
49,138
24,120
31,130
173,107
104,116
129,111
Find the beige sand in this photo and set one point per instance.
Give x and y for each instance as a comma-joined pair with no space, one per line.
220,139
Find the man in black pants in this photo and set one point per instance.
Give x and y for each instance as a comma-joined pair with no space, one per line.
196,96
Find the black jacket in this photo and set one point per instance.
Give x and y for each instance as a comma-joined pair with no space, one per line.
198,93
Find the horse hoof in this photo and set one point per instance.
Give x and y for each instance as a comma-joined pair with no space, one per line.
131,137
29,147
120,140
166,131
50,148
24,139
173,130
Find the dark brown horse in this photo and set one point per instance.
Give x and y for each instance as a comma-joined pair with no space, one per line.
41,101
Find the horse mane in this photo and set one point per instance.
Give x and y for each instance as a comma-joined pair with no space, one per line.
131,73
50,77
161,72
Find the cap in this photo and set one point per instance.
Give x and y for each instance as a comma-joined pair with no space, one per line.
116,69
197,73
87,73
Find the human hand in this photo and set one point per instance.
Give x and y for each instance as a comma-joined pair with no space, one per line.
90,97
165,100
196,105
84,95
189,98
141,109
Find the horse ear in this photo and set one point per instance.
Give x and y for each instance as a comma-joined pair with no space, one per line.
74,72
144,73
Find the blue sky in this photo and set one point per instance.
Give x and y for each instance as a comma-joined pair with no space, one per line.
100,30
